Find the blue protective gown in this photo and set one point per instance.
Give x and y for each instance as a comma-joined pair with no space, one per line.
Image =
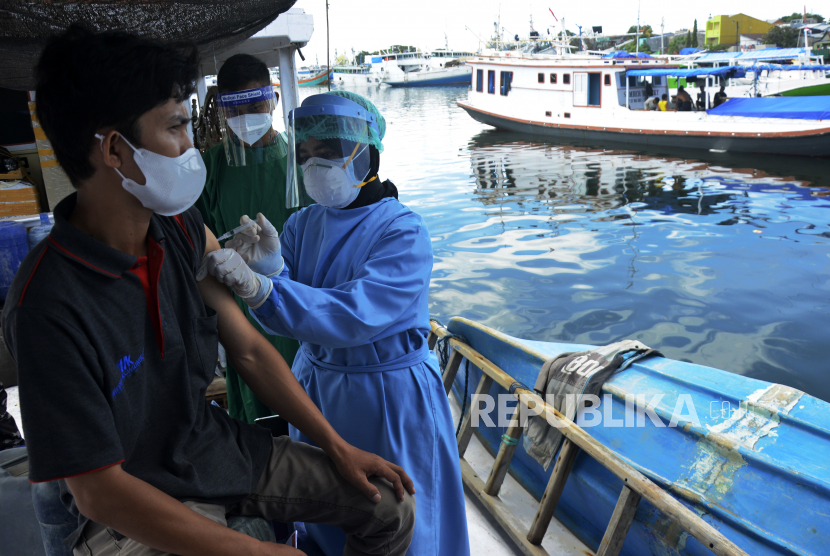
354,293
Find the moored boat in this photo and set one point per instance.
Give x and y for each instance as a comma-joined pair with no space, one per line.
747,456
416,69
309,79
778,72
596,99
352,76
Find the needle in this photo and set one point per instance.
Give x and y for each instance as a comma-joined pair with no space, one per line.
236,230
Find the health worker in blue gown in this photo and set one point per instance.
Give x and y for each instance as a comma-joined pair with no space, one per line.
349,279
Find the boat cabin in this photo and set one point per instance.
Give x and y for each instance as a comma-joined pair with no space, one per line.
562,83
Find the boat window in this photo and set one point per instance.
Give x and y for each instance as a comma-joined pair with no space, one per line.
607,79
541,78
479,80
506,80
491,82
566,78
553,78
658,80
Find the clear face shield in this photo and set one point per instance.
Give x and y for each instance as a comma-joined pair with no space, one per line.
246,120
329,147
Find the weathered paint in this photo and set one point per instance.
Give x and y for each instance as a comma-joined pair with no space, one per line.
736,469
712,472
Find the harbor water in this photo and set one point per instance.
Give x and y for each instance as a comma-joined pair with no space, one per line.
711,258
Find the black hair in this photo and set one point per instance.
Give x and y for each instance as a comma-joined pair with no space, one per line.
241,69
86,81
664,96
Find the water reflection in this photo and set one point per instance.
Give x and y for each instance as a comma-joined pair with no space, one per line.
709,263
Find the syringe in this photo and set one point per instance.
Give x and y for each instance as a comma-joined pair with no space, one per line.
236,230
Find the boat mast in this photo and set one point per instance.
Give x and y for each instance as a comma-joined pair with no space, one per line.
638,29
328,61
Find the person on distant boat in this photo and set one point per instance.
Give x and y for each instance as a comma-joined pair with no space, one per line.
349,278
672,104
651,104
663,104
684,101
115,338
246,174
701,97
720,96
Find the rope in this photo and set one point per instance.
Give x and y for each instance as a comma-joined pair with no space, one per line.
443,351
509,440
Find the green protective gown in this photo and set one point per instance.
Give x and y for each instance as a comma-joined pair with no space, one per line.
230,192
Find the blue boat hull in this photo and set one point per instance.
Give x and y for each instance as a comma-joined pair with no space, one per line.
760,477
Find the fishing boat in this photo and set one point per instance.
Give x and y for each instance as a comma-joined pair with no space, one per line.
745,456
306,77
600,99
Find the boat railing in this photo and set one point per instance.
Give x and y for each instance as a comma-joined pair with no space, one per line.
636,486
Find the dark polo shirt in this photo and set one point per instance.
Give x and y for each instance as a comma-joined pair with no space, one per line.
113,370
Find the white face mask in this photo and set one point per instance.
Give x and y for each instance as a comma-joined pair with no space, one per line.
250,127
328,183
173,184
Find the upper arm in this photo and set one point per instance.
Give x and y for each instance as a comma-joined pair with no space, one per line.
236,333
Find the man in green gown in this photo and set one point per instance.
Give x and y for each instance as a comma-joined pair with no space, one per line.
246,175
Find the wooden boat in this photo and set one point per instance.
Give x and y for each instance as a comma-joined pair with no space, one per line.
315,80
754,468
582,97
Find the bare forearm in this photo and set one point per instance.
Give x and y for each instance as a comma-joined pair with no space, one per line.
269,376
134,508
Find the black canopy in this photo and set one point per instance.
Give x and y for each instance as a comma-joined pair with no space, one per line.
214,25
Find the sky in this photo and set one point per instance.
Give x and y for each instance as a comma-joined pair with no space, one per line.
374,24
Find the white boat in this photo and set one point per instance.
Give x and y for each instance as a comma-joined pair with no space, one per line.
775,77
353,76
416,69
600,99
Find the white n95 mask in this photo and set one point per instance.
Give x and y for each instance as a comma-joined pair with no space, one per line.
250,127
173,184
328,183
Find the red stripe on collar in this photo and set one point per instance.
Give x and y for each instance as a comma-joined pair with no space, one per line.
73,255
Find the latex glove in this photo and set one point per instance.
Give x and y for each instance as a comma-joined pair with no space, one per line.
259,246
227,266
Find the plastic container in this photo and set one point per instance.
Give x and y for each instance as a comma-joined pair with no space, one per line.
13,248
39,232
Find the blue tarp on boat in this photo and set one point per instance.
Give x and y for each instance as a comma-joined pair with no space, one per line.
766,54
724,71
626,55
794,67
718,57
799,108
689,50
